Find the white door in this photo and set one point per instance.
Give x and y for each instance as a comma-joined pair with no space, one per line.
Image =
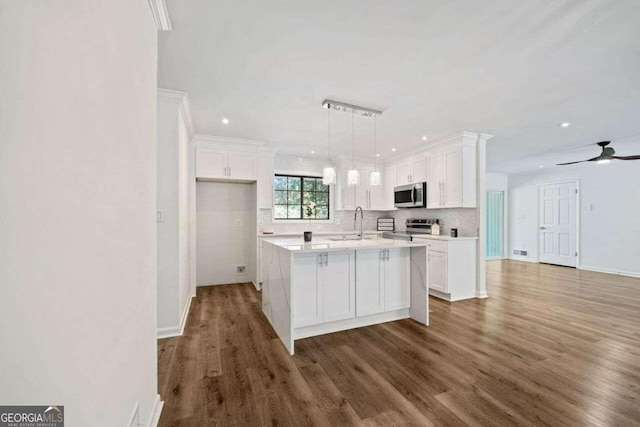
388,185
241,166
434,180
339,286
307,292
397,286
369,282
211,164
437,270
405,170
557,223
452,178
419,170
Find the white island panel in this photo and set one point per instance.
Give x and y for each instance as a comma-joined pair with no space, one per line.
276,293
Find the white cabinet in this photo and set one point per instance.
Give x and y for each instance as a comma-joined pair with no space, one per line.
388,184
451,267
264,187
382,280
323,287
437,270
225,165
411,171
369,198
451,181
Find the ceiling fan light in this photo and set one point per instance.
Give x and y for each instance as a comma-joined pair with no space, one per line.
328,175
603,161
375,179
353,177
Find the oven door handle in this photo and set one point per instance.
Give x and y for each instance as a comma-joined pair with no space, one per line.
413,197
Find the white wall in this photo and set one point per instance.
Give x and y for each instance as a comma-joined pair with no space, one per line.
608,214
173,175
77,201
222,245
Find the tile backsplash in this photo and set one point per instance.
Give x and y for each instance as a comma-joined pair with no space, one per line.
465,220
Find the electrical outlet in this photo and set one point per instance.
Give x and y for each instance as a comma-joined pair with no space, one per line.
238,223
240,269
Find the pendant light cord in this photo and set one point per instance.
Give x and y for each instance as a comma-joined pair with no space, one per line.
375,143
353,139
329,131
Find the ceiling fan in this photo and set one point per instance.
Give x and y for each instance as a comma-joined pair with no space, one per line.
605,157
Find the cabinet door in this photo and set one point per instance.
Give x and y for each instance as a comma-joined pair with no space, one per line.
397,287
211,163
419,170
307,290
452,177
241,166
405,170
339,286
377,199
388,184
348,193
434,180
362,189
437,270
265,184
369,282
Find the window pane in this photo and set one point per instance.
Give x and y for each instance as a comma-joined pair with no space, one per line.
294,198
308,198
280,183
320,186
294,183
322,199
280,211
280,198
306,214
309,184
294,212
322,212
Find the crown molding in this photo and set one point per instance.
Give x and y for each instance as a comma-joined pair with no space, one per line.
184,106
160,14
228,140
465,137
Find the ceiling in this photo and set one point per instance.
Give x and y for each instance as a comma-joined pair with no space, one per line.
513,69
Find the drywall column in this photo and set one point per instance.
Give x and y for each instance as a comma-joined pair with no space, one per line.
481,169
173,212
77,201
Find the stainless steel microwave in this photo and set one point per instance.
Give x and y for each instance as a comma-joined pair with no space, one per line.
410,196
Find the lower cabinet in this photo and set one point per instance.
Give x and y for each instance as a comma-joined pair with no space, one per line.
382,280
437,270
323,287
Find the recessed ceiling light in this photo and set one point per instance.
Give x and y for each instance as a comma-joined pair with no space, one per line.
565,124
225,121
393,149
424,138
313,152
541,166
378,155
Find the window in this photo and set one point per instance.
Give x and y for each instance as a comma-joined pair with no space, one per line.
300,197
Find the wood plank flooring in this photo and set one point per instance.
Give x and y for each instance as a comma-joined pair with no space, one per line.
551,346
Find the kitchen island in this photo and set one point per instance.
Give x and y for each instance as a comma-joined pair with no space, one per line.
332,284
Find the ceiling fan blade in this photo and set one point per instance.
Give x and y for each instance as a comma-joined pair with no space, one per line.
637,157
579,161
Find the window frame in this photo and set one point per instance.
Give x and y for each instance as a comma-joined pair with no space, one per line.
302,175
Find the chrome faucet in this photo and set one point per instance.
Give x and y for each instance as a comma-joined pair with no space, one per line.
355,219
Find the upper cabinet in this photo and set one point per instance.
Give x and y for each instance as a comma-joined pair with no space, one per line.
225,164
411,171
451,176
368,197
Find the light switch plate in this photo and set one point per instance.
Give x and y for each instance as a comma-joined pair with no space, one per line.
159,215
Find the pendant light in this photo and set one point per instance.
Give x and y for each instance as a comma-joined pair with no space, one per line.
374,177
353,176
329,173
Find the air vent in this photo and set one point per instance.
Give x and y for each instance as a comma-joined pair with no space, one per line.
524,253
516,251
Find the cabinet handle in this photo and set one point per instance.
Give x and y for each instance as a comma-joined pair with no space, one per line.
382,254
326,258
387,254
320,259
229,170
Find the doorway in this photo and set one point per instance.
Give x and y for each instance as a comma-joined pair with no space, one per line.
495,225
557,223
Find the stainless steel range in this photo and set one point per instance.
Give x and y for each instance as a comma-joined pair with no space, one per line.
413,226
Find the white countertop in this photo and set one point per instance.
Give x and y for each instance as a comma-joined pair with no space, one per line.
326,245
431,237
319,233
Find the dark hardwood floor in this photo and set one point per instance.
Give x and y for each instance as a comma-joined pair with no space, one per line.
551,346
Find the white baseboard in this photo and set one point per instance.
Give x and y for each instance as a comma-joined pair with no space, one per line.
482,294
447,297
343,325
256,286
175,331
523,258
605,270
154,416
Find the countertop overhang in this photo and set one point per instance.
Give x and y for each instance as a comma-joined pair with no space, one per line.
326,245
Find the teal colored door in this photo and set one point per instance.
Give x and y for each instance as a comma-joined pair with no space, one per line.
495,224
